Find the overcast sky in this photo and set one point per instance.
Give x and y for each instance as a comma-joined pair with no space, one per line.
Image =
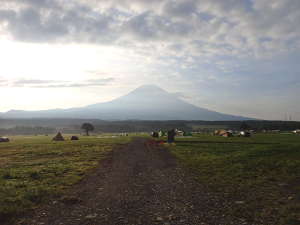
233,56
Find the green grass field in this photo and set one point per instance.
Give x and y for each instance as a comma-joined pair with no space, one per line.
261,174
33,168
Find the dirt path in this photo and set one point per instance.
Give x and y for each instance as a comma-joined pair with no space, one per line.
137,184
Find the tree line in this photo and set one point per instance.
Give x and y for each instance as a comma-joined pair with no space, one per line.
49,126
24,130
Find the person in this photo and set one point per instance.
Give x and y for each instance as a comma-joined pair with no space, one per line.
155,134
171,136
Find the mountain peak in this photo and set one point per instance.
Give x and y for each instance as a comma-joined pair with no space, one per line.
145,92
149,88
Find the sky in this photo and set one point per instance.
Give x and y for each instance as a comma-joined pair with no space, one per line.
240,57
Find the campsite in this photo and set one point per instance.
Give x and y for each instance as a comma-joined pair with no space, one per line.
149,112
253,180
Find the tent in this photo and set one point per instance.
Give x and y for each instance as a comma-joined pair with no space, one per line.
245,134
4,139
226,134
58,137
223,133
74,138
219,132
296,131
187,134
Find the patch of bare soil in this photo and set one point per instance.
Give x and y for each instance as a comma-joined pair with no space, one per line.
136,185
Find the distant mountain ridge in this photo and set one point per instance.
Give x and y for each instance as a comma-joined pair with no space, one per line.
147,102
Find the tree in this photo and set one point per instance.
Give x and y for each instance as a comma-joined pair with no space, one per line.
244,126
87,127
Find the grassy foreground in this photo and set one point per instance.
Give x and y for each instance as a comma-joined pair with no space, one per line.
34,169
260,174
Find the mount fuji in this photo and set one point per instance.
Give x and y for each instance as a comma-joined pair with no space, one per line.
147,102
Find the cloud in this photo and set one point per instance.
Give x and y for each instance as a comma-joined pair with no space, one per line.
53,22
180,8
30,82
35,83
250,27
